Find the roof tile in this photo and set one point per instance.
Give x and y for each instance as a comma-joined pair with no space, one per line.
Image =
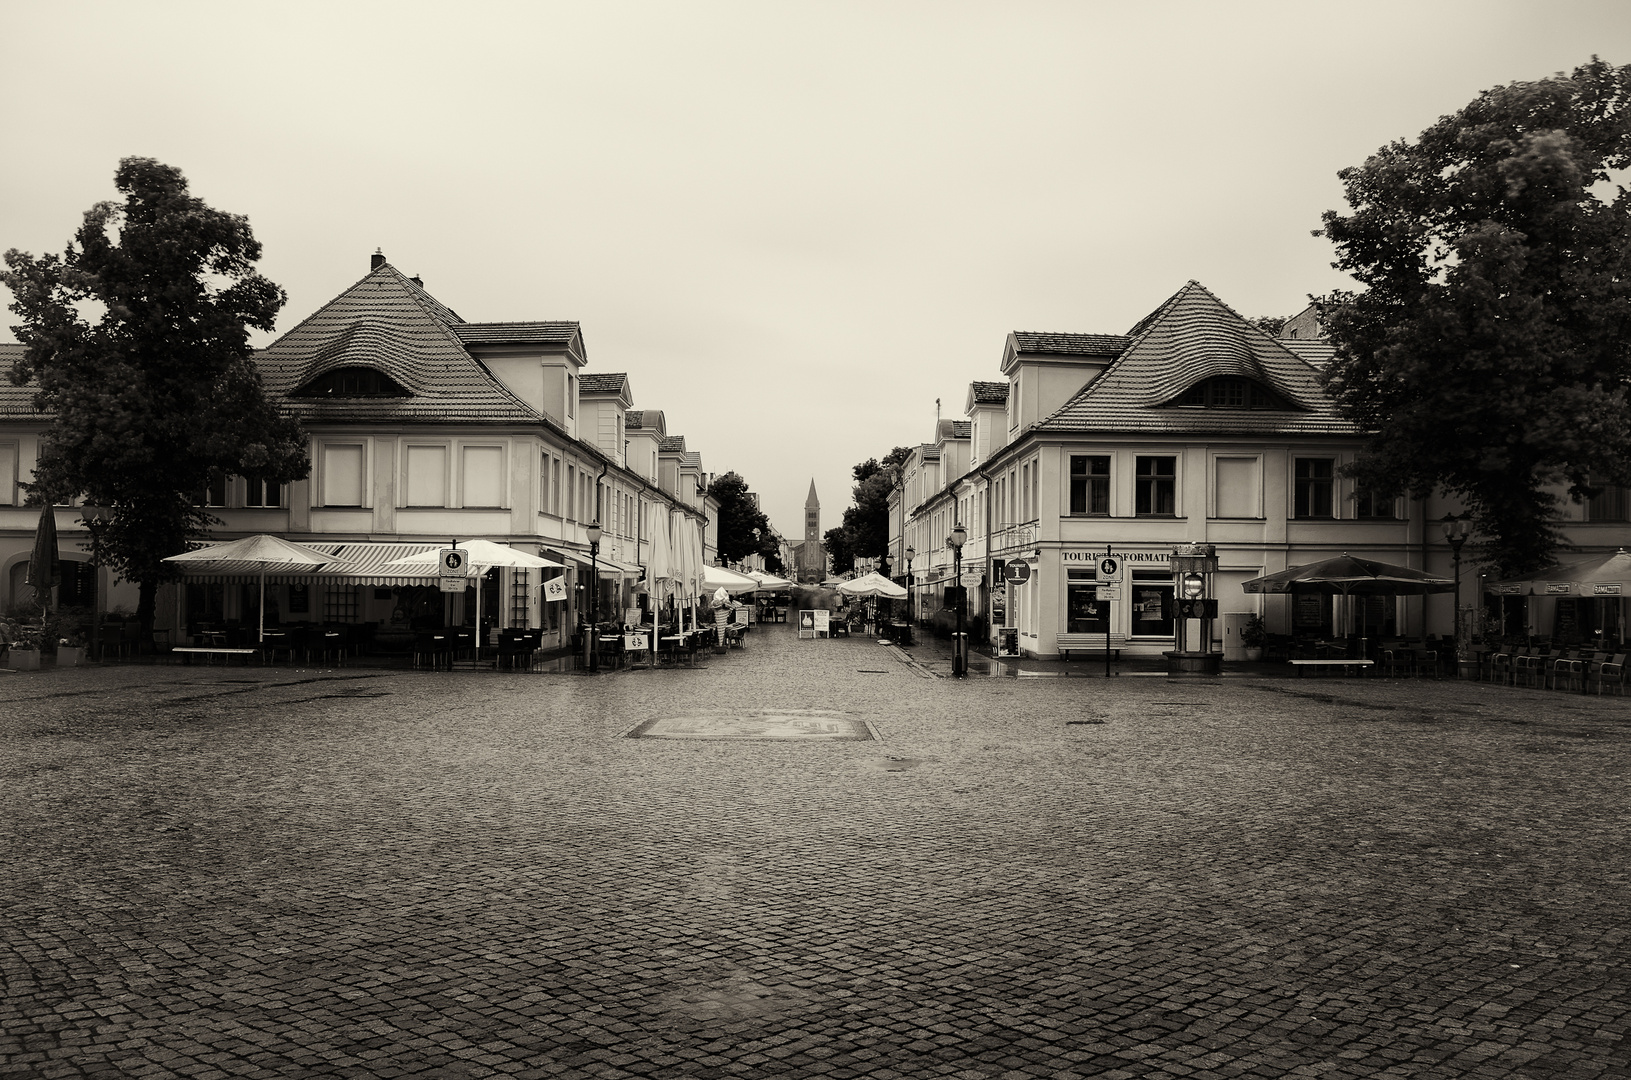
1192,337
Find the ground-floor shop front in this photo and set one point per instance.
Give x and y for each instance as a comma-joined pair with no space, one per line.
1063,599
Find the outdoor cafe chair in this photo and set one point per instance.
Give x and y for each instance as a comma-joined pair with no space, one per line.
1398,662
432,648
1612,671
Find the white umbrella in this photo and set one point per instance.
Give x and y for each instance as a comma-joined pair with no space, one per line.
660,563
768,580
258,553
688,560
873,584
718,577
483,555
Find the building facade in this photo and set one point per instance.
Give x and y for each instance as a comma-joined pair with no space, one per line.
1193,427
424,429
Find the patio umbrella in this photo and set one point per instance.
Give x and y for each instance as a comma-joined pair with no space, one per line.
768,580
1348,575
659,564
259,554
718,577
44,569
873,584
1598,577
483,555
688,560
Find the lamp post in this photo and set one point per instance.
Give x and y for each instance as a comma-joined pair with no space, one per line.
1456,530
593,532
959,648
911,579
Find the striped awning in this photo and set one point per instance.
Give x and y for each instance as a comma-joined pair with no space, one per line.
354,564
606,566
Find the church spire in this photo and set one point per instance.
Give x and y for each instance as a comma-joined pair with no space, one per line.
812,516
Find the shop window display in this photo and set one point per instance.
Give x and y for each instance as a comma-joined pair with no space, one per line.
1084,612
1152,593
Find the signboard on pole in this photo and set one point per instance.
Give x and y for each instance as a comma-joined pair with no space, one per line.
970,579
454,562
1016,573
1107,592
454,584
1108,569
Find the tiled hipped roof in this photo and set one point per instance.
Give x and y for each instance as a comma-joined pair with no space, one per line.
16,400
990,393
516,333
1032,341
672,444
386,321
1193,337
602,382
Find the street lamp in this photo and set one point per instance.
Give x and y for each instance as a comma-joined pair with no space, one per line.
959,648
593,532
911,611
1456,530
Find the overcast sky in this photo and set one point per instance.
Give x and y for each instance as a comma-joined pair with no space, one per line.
794,225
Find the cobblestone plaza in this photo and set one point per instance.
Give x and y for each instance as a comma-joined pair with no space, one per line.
230,872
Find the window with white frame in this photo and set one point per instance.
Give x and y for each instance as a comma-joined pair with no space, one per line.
1236,483
427,476
9,456
1314,483
1090,485
342,481
483,479
1155,486
258,492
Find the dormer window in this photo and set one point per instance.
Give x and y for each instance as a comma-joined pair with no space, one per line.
1228,393
352,382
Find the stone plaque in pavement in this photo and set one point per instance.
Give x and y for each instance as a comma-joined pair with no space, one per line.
805,726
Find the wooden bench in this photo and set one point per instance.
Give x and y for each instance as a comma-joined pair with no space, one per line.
189,651
1092,643
1300,665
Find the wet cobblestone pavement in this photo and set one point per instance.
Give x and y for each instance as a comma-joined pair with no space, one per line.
215,872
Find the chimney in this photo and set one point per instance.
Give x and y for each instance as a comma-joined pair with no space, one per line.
377,261
417,280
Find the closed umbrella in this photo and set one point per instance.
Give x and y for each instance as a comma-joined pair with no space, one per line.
44,569
258,554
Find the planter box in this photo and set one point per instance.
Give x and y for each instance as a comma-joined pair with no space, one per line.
24,660
70,655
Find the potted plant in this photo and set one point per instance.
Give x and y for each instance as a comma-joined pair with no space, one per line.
21,653
70,651
1252,637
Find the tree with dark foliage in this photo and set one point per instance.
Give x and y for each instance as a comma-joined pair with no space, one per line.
739,515
157,396
865,531
1489,349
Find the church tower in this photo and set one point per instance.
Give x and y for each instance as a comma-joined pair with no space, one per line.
810,556
812,515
